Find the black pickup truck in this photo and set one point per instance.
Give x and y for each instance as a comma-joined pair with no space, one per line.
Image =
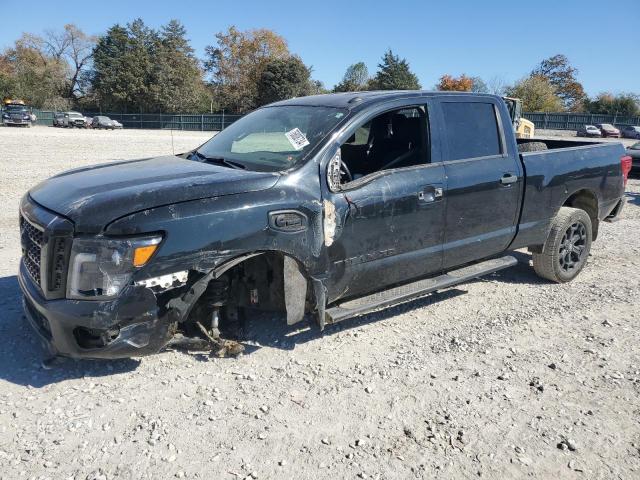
328,206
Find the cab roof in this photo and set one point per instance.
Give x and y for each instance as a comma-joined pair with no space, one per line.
351,100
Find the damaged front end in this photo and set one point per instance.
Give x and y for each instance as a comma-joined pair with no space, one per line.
186,310
182,275
79,291
131,325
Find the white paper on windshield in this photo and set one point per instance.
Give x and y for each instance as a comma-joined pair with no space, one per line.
297,139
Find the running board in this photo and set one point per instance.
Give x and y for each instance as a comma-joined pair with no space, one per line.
411,291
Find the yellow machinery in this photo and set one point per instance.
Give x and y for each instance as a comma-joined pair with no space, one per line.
8,101
524,128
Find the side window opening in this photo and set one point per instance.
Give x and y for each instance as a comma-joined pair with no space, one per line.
391,140
471,130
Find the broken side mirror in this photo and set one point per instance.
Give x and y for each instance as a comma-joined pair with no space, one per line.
333,172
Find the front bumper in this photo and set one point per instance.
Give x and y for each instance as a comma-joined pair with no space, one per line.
129,326
10,121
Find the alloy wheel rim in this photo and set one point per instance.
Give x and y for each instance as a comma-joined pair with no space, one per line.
573,247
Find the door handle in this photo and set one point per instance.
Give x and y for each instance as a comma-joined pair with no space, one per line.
508,179
430,194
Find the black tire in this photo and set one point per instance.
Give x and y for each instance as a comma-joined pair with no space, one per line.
567,247
532,147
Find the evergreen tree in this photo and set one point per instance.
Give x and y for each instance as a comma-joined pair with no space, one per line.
142,70
623,104
282,79
122,65
176,78
394,74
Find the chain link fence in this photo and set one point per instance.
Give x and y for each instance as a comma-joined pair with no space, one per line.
164,121
574,121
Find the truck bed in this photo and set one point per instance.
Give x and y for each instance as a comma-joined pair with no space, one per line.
552,176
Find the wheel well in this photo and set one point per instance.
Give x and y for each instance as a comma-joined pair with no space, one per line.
587,201
270,281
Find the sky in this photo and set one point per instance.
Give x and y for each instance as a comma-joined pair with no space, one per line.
504,39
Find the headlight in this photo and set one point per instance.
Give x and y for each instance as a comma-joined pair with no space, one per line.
100,268
5,115
26,117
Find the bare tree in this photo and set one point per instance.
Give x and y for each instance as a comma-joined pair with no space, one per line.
72,46
497,85
79,55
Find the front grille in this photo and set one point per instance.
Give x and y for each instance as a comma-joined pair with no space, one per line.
45,250
32,239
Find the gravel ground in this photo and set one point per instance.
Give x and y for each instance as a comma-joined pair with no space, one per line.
504,377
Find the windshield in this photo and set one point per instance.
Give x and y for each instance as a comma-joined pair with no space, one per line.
75,115
16,109
273,138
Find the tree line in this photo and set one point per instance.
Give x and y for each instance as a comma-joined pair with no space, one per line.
135,68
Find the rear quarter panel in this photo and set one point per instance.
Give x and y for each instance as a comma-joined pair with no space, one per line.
552,176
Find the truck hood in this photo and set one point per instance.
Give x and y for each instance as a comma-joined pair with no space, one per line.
94,196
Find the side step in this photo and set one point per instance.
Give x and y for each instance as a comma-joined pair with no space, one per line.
411,291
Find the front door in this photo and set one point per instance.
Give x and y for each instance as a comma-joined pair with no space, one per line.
389,221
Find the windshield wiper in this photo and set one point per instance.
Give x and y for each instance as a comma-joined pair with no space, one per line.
219,161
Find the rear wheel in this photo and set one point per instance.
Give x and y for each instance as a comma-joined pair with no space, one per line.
567,247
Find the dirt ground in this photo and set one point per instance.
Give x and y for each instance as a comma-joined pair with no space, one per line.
506,377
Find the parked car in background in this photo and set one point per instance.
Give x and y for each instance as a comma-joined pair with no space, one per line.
630,132
69,120
608,130
57,119
15,112
116,124
634,152
102,122
589,131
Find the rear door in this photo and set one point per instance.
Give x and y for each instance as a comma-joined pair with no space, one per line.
484,179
